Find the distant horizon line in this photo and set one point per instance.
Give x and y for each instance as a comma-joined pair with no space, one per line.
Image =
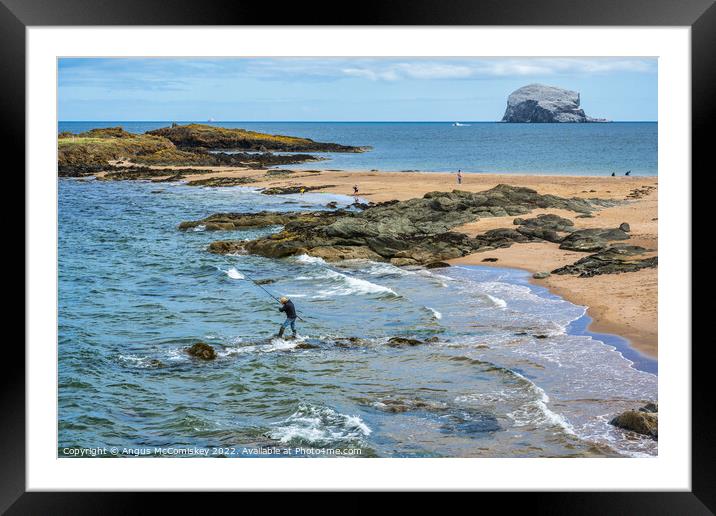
349,121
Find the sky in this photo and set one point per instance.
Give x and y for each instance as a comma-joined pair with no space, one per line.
343,89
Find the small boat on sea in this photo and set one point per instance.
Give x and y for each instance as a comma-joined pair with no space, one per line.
458,124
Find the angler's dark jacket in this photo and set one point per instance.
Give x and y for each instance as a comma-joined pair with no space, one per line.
289,309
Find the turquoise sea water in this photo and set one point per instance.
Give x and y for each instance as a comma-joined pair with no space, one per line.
594,149
511,374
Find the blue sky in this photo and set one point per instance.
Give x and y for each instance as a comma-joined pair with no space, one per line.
343,89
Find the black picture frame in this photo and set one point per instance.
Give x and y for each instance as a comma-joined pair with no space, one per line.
700,15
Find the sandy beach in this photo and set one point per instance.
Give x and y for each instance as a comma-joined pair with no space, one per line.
624,304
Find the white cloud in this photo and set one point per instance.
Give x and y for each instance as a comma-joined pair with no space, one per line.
497,68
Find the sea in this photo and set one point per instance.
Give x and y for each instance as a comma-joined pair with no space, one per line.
506,369
566,149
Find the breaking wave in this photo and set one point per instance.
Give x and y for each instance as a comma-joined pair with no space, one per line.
319,425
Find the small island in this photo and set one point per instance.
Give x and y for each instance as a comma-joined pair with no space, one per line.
539,103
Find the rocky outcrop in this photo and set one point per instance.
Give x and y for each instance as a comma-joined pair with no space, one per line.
545,227
212,137
222,181
538,103
287,190
416,231
202,351
592,239
644,421
182,146
612,260
233,221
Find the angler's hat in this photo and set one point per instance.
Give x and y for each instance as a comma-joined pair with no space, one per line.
283,299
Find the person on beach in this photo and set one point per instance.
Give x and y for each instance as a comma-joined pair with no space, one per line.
302,190
459,177
290,311
355,190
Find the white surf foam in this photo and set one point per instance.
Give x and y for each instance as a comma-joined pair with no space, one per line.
234,274
304,258
319,426
435,313
498,302
352,286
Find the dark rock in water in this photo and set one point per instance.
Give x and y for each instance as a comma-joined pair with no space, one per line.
432,339
650,407
625,227
540,275
156,363
306,345
232,221
202,350
436,265
615,259
490,259
593,239
285,190
403,341
349,342
222,181
538,103
645,423
400,405
540,336
264,281
332,205
470,423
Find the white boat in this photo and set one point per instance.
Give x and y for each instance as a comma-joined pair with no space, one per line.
458,124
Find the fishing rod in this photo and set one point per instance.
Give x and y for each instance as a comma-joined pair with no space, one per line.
262,288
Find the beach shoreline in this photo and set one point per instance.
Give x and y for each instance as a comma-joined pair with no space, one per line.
623,304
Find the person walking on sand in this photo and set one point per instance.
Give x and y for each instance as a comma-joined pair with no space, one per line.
355,192
290,311
302,190
459,177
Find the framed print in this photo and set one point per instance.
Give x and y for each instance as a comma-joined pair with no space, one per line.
267,253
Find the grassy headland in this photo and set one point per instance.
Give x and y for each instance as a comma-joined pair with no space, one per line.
98,150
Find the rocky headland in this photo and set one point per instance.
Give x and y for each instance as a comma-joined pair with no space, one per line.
194,136
539,103
194,145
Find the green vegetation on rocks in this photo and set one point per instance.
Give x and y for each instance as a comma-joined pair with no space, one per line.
212,137
89,152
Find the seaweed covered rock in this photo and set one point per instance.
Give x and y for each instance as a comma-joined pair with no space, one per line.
613,260
202,350
232,221
286,190
415,231
403,341
222,181
645,422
